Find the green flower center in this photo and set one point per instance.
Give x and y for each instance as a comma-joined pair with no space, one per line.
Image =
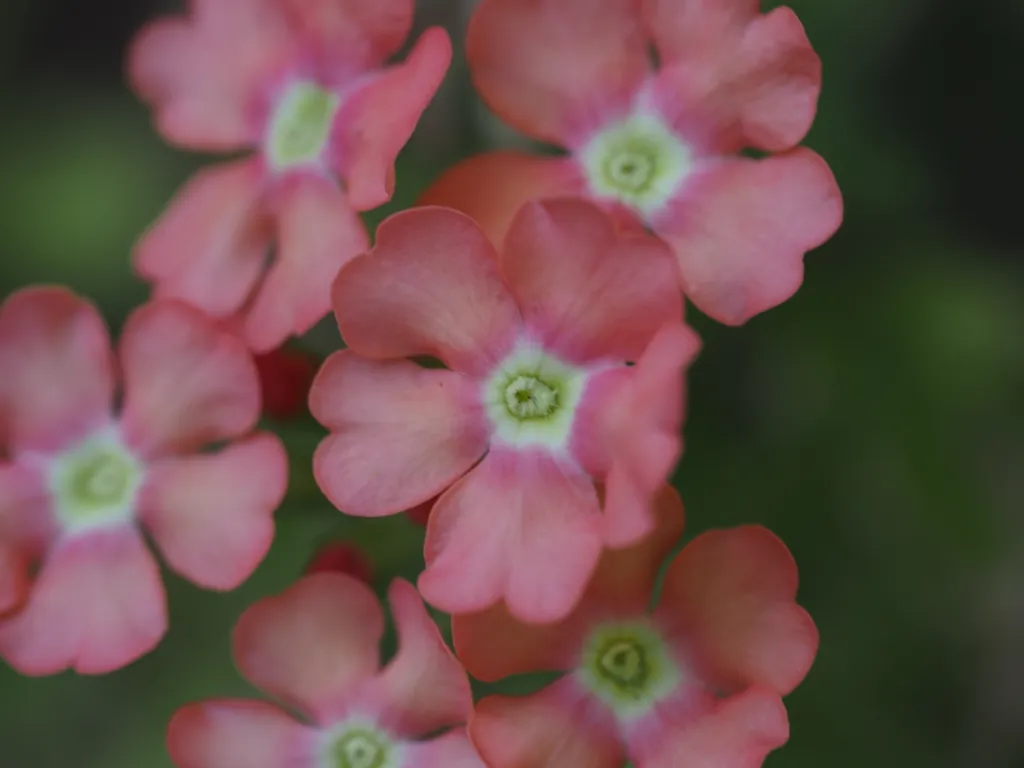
301,125
95,483
359,748
629,667
639,162
529,397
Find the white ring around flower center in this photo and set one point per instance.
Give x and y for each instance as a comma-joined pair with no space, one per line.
639,162
300,126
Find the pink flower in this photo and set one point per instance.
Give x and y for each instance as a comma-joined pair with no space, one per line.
532,410
659,147
79,483
315,648
696,682
303,83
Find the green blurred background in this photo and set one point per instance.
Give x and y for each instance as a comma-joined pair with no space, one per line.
874,421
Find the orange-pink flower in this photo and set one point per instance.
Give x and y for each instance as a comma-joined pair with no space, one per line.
315,649
536,408
94,449
697,681
304,84
660,146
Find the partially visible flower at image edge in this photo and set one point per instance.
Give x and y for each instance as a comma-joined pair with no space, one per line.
315,649
660,147
697,681
302,83
87,464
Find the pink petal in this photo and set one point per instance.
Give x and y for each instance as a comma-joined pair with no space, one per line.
97,605
554,67
212,515
313,644
27,526
14,578
731,595
203,75
353,31
424,687
740,734
400,434
452,750
377,121
549,729
238,733
742,230
430,286
644,432
697,30
187,382
318,234
58,377
491,187
588,292
209,246
760,89
521,526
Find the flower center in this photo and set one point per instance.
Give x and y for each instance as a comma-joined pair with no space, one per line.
639,162
628,666
532,397
301,126
96,483
359,749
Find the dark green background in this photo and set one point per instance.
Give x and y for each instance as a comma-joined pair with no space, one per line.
874,421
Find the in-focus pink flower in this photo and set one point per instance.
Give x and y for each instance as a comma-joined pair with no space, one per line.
533,410
660,147
286,374
697,682
342,557
95,449
315,649
304,84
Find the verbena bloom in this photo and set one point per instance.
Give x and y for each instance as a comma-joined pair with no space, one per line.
315,649
660,146
531,411
302,83
695,682
94,450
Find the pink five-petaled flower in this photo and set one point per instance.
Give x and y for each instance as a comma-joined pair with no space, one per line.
536,341
303,83
660,147
697,682
77,481
315,648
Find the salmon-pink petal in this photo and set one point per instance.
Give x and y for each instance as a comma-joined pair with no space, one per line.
27,520
97,605
424,687
738,734
552,68
313,644
549,729
742,229
202,75
430,286
697,30
354,31
587,291
187,381
763,92
377,121
317,234
14,578
57,384
211,515
491,187
400,434
209,246
644,426
238,733
731,593
452,750
522,526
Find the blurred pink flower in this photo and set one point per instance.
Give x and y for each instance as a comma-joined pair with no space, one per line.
304,84
79,483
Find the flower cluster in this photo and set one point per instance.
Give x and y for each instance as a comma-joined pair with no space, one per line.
513,378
